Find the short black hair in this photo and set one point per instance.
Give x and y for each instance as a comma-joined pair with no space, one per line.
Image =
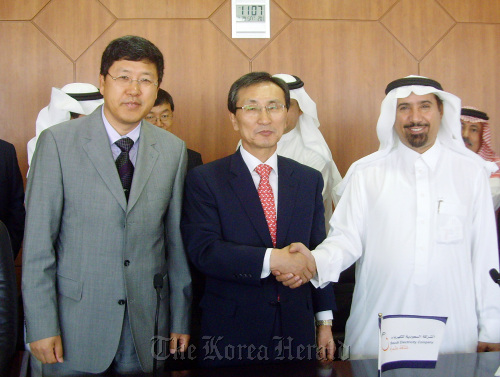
164,97
254,78
133,48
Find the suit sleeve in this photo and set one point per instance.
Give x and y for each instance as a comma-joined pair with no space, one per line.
177,263
323,298
204,240
44,207
16,213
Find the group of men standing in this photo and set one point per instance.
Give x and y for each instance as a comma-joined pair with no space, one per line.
109,206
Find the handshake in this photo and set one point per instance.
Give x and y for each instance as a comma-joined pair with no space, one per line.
293,265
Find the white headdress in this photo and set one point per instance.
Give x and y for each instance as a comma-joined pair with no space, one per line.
80,98
309,122
450,130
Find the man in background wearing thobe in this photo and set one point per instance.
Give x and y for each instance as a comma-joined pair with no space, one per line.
476,133
70,102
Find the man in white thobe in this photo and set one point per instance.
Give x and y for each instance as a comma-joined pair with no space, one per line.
418,220
303,141
71,101
476,133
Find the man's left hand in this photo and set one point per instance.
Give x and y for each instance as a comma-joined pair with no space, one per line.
488,347
178,342
326,345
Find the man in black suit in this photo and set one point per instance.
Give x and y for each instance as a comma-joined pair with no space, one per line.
236,227
12,211
8,303
162,115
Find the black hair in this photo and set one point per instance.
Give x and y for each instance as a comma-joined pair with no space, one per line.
164,97
133,48
254,78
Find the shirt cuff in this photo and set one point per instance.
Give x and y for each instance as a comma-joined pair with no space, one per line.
266,266
324,315
328,268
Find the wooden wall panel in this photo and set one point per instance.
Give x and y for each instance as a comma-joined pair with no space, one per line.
197,78
61,19
426,16
346,51
336,10
20,10
31,65
346,83
473,10
467,63
162,8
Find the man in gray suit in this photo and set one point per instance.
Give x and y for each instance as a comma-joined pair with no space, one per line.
97,233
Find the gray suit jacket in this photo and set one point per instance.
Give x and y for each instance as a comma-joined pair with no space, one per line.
86,250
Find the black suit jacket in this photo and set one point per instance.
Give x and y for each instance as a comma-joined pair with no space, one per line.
194,159
8,303
226,236
12,211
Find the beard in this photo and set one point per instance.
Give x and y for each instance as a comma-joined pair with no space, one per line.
417,140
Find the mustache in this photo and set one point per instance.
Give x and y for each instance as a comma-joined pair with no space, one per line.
265,128
415,124
467,141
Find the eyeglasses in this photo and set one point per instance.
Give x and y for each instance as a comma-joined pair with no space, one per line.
163,118
254,111
125,80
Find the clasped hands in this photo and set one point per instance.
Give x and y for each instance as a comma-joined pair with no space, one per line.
293,265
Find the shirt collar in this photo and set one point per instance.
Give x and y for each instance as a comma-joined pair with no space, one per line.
113,135
252,162
429,157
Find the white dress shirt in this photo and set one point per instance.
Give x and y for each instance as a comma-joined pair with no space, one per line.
113,136
252,162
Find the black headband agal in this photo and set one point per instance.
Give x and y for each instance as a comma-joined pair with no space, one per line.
298,83
475,114
85,96
408,81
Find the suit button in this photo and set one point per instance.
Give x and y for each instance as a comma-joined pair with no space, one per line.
126,263
121,302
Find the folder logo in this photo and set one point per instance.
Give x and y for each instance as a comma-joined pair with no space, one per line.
409,341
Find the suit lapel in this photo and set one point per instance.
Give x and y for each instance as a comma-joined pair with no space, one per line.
96,145
146,159
244,189
287,197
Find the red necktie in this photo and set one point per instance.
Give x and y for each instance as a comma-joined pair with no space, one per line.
267,199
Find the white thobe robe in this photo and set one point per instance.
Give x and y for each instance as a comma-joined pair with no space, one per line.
292,145
422,230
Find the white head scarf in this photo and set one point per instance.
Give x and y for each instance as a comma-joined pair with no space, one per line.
309,123
80,98
450,130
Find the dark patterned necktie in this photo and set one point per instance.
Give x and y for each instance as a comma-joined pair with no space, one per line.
124,165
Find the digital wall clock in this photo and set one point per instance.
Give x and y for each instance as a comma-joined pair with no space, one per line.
250,19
